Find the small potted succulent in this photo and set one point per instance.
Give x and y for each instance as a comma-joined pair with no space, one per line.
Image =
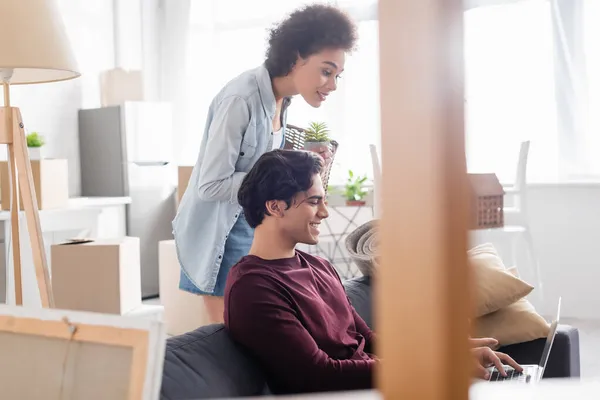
355,191
316,136
35,141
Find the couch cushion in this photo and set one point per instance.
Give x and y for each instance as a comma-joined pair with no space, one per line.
359,293
515,323
206,363
494,287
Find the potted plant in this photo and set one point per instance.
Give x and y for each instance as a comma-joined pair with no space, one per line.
316,136
354,190
35,141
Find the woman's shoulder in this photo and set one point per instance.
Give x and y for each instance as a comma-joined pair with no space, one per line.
244,86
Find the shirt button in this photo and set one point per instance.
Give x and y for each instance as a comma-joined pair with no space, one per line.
237,215
220,256
241,153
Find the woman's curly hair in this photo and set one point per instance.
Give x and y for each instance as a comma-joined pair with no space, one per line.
308,31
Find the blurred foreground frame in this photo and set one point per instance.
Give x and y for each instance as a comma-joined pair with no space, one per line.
422,286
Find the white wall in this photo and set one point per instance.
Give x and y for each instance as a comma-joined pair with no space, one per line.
565,222
51,108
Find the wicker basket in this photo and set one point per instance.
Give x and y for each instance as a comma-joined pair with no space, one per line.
487,201
294,140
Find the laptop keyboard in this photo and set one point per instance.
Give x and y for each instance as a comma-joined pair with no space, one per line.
511,375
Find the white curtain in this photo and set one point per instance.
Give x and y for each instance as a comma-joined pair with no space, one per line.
532,74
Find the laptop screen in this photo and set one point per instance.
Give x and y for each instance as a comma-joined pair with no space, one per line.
550,338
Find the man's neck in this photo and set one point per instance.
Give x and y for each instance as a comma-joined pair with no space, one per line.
270,245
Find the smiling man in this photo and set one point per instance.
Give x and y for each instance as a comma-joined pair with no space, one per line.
286,307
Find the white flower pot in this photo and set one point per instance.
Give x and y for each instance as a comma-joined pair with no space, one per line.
35,153
314,146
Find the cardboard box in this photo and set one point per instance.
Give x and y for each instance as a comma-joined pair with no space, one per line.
184,311
50,179
184,173
99,275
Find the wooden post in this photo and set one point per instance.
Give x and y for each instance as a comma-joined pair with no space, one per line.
422,287
12,133
30,205
7,137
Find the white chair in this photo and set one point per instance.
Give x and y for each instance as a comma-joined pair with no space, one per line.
376,181
517,192
516,219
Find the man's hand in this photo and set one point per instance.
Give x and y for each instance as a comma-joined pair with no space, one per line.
483,342
484,357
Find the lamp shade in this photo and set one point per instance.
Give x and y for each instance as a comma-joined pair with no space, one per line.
33,42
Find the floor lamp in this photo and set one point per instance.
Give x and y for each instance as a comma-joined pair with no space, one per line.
33,49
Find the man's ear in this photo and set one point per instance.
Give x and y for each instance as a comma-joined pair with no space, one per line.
275,207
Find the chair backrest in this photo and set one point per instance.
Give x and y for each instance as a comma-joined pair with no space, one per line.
294,140
376,180
521,178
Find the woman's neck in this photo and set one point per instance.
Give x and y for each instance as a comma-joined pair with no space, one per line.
283,87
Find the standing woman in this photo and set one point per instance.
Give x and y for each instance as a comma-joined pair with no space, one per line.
306,56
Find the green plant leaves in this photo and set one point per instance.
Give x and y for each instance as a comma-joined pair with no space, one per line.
317,132
354,189
34,139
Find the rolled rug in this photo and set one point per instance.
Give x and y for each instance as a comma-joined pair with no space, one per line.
362,246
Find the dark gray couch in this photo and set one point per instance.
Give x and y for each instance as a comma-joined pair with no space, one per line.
207,364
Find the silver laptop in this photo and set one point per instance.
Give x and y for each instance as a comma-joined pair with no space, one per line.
531,373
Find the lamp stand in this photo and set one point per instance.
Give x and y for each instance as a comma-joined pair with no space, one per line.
21,180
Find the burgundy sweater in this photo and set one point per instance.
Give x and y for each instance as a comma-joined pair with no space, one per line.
294,317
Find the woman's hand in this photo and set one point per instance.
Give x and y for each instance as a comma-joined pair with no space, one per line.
324,153
483,342
484,357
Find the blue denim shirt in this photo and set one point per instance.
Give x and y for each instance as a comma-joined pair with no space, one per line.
238,131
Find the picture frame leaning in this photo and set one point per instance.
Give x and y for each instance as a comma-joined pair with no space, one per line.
62,354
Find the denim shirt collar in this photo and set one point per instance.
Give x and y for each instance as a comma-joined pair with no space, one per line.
265,88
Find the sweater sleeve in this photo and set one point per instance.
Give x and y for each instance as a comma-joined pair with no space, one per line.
364,330
261,318
361,325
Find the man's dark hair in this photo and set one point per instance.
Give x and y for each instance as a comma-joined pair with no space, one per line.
305,32
277,175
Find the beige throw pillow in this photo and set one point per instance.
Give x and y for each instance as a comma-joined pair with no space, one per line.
495,287
516,323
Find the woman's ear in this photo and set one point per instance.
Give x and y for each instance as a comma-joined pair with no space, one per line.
275,208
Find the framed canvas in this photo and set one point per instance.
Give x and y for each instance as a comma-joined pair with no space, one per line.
57,354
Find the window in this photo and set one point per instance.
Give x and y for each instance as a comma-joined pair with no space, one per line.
509,89
591,43
528,77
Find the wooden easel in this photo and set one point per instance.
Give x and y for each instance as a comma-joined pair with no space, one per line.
13,134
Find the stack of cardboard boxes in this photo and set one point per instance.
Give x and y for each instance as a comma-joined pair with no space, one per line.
50,180
103,275
183,311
